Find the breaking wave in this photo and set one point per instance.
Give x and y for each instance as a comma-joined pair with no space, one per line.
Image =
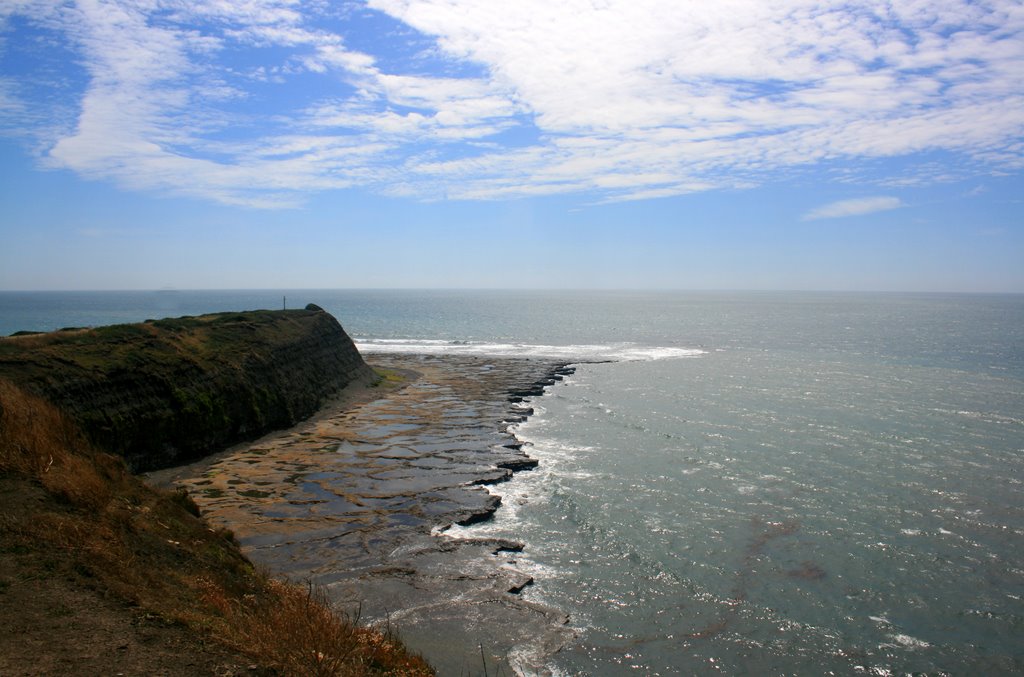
615,352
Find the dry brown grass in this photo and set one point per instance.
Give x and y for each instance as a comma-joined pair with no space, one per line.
33,435
296,631
70,510
38,441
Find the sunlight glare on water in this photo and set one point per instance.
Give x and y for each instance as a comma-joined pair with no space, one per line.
747,483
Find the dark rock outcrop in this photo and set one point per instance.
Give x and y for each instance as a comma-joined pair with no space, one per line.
536,389
169,391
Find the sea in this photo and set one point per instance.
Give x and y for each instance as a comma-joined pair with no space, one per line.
737,483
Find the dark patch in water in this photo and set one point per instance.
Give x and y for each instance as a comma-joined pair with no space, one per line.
807,571
764,534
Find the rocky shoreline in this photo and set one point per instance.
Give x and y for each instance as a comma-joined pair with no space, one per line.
358,500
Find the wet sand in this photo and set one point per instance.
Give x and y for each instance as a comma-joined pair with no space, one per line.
357,498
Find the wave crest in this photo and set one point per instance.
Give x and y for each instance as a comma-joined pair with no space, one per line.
616,352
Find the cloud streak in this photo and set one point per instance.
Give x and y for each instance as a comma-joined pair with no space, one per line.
263,102
855,207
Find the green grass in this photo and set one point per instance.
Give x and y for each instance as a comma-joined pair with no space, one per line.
187,383
388,378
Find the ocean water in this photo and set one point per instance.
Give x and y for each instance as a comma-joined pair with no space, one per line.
734,483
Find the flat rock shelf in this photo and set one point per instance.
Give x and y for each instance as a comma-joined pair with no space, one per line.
357,501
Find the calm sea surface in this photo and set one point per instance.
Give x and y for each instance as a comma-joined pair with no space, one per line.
749,483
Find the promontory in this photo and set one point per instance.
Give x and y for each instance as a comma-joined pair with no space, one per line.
165,392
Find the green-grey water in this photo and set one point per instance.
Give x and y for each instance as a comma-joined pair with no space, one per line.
749,483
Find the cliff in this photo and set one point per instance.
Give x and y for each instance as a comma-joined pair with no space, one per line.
101,574
169,391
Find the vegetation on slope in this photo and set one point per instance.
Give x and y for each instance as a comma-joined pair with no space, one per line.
163,392
81,537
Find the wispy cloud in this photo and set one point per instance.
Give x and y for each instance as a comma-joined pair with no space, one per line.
262,102
9,104
855,207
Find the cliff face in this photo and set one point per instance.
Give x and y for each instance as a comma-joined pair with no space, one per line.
169,391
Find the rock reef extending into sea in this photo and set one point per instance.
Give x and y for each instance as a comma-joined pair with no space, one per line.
360,497
165,392
359,501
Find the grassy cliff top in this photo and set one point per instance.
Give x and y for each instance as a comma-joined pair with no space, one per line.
192,338
164,392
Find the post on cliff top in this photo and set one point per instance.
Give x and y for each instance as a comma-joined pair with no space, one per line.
284,303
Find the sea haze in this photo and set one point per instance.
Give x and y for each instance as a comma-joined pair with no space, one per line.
758,483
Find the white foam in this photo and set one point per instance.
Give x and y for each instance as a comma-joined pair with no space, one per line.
524,660
549,446
618,352
910,642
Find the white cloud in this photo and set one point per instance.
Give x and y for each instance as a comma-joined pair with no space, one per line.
855,207
626,99
9,103
752,85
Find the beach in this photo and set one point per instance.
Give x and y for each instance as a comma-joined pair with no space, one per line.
357,500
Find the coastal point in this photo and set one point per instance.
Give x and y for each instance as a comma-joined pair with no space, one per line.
355,499
358,501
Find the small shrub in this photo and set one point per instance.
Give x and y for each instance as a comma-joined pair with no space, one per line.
181,497
226,534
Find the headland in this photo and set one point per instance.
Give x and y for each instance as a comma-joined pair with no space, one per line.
166,392
355,499
358,500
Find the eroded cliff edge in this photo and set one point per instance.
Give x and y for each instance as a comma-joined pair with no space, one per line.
165,392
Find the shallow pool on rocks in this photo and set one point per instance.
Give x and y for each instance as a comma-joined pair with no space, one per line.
357,501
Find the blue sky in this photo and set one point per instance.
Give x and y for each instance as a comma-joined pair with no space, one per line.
736,144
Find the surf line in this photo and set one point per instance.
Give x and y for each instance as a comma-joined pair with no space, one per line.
513,459
518,396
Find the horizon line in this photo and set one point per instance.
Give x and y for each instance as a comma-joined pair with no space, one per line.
660,290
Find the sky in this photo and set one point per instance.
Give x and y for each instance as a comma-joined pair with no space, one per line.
735,144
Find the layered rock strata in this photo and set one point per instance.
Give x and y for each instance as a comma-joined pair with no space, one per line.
359,501
164,392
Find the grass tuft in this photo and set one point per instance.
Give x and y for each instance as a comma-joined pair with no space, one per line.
297,631
388,378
